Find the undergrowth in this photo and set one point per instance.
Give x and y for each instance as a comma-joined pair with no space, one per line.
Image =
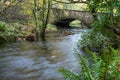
97,67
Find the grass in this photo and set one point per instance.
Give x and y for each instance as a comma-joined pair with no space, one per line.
75,24
51,28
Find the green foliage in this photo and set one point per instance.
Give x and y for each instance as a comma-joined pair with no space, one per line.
51,28
2,26
105,65
105,26
75,24
17,29
96,67
11,32
94,39
6,33
69,75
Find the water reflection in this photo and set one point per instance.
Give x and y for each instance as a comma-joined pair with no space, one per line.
39,60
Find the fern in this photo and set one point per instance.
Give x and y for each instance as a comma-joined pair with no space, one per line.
99,69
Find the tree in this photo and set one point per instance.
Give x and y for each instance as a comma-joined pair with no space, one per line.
45,17
36,20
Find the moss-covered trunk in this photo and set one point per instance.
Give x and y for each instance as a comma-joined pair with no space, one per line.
45,18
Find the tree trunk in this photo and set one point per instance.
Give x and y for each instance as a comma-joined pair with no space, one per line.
45,19
36,20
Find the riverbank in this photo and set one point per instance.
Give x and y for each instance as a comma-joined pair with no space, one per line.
11,32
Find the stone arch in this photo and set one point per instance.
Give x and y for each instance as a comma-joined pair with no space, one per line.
60,15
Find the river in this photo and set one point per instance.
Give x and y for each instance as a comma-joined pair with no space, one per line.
40,60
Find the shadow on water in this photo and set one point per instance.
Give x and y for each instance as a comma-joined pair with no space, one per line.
40,60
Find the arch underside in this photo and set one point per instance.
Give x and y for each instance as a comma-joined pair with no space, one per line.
64,23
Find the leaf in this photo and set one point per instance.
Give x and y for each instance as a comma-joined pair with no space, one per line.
69,75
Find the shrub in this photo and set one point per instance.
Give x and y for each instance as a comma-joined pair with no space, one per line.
103,67
94,40
6,33
3,26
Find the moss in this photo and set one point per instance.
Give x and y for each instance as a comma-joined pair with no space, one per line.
75,24
51,28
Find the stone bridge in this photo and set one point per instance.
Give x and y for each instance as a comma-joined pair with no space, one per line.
64,16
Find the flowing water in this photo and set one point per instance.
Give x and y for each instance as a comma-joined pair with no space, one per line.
40,60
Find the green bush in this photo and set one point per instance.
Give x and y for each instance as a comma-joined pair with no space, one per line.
6,33
3,26
94,40
103,67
